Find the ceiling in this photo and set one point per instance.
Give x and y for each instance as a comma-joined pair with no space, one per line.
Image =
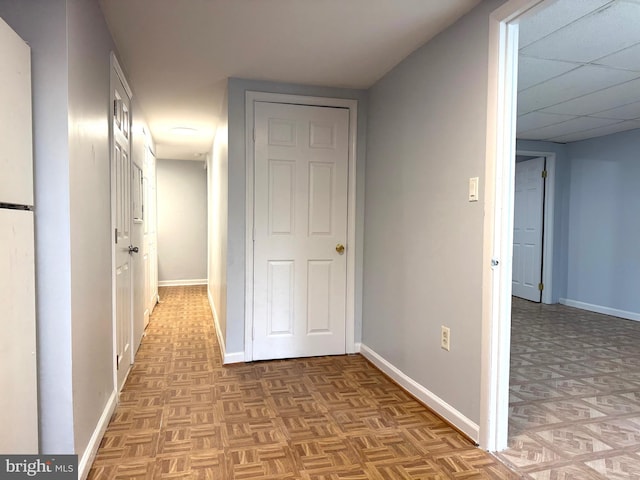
179,54
579,70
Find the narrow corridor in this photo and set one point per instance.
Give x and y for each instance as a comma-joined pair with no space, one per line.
183,415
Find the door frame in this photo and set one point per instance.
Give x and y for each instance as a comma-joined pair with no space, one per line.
548,210
498,223
115,68
352,105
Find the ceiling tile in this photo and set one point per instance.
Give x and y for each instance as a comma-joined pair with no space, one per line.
601,100
597,132
626,112
578,82
555,16
584,41
532,71
534,120
566,128
628,59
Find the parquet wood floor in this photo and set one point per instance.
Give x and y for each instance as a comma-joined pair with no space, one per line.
184,415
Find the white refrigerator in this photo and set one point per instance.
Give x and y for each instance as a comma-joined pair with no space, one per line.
18,367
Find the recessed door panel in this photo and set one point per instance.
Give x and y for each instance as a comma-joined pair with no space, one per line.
280,297
320,198
282,132
281,196
322,135
319,296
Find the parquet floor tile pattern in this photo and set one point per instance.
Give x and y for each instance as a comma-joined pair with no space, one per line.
575,394
182,414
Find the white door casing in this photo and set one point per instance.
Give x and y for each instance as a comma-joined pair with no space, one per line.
527,229
301,182
251,98
498,220
137,242
121,222
151,235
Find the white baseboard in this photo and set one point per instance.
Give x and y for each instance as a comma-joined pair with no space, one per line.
94,442
357,347
233,357
428,398
216,322
600,309
182,283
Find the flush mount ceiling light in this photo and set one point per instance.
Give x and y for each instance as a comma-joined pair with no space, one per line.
184,131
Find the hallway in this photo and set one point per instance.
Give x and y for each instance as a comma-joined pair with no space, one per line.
183,415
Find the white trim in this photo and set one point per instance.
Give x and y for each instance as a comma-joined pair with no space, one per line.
227,358
182,283
425,396
549,210
94,442
115,65
216,322
614,312
498,222
357,347
250,99
115,68
233,357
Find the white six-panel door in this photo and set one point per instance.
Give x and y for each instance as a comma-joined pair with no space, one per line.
121,191
300,221
527,229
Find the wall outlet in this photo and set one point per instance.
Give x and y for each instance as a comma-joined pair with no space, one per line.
445,338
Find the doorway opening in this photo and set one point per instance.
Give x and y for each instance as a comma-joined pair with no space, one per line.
589,113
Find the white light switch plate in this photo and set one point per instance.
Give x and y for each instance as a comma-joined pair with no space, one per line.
473,189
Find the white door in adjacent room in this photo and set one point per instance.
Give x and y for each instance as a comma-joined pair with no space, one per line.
527,229
300,230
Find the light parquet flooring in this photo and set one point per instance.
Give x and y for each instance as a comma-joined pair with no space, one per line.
575,394
184,415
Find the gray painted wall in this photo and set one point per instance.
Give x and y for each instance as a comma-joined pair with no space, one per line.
182,220
43,24
70,46
604,224
89,46
561,211
218,180
423,239
237,195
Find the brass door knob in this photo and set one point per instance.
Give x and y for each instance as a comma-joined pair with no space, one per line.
340,248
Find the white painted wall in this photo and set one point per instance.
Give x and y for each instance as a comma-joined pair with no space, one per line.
43,24
217,189
423,240
237,196
182,220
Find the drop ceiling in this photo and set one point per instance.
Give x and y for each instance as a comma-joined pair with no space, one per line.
579,70
179,54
